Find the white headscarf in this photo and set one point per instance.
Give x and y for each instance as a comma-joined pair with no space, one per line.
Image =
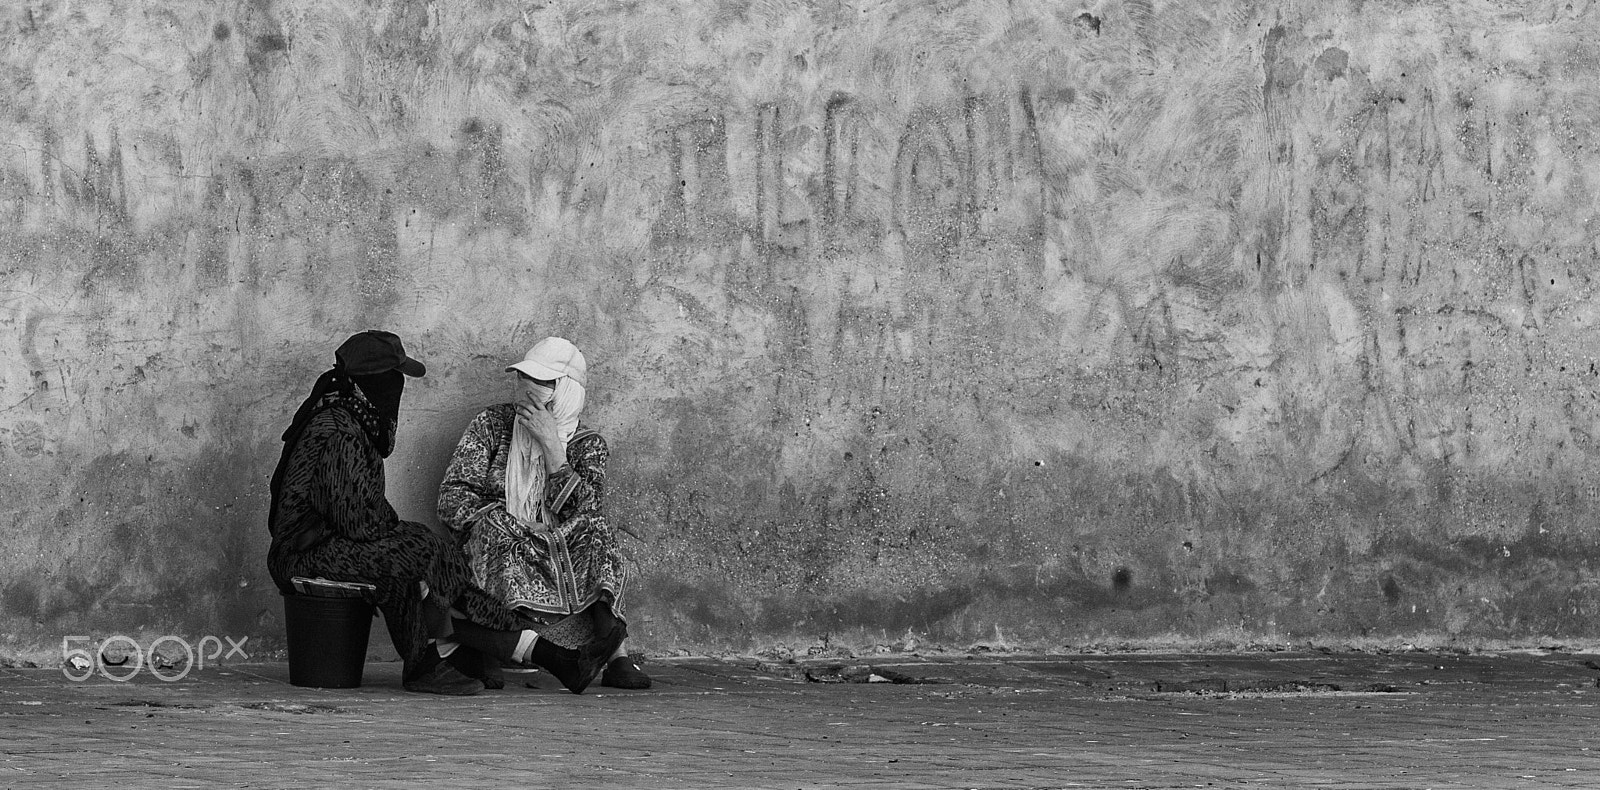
525,474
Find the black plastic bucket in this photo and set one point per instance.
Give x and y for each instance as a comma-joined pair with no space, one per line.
327,640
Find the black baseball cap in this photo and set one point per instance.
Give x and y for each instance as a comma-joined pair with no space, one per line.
376,351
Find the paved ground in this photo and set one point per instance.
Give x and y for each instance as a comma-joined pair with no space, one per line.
1267,720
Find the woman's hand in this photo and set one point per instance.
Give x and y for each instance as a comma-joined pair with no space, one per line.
543,426
541,422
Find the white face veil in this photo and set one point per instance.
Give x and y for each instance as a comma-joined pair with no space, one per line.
525,473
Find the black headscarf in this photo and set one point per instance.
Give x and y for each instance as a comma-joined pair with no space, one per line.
374,400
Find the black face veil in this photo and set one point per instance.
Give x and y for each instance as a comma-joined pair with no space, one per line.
383,390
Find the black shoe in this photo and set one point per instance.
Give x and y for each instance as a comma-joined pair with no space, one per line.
444,679
493,677
477,666
577,668
624,673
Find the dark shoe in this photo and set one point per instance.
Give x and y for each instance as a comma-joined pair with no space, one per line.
576,668
477,666
444,679
492,677
624,673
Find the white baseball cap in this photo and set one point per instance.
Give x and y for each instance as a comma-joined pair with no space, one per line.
553,358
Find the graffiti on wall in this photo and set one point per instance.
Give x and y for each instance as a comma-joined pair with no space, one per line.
836,177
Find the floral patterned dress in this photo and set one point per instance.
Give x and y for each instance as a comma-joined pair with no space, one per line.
547,570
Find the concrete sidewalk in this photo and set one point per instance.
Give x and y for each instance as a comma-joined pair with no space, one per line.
1267,720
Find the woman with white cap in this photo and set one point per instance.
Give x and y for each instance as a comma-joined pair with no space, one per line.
330,518
525,489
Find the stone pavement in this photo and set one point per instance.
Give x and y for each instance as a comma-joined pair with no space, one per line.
999,720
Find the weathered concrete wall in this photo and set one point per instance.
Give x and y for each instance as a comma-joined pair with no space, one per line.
1047,322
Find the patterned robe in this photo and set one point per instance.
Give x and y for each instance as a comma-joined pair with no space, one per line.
548,570
334,521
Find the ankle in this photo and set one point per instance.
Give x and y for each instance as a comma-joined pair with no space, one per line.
526,642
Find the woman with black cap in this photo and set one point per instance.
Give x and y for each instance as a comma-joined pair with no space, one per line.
330,518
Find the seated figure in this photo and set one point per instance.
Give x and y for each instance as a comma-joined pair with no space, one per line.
525,491
330,518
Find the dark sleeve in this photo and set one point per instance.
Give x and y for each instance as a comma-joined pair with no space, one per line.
346,487
586,464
